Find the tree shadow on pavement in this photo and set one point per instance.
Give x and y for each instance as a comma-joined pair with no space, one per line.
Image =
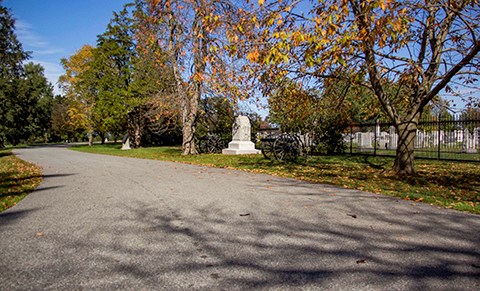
346,247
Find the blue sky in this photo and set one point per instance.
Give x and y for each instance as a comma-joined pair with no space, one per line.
54,29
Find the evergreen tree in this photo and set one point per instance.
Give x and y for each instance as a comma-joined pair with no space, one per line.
12,56
112,70
29,106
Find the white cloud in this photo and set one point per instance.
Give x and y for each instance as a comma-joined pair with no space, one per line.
50,51
27,36
32,41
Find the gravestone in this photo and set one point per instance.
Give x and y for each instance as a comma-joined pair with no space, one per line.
126,143
393,138
476,137
365,140
420,139
469,142
241,135
384,140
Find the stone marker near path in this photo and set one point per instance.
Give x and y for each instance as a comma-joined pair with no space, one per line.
126,143
241,135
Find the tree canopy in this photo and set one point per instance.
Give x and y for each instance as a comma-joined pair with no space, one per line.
422,46
25,94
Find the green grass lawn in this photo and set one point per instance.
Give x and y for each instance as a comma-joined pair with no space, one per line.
446,184
17,179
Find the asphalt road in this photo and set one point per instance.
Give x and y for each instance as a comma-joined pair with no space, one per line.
105,223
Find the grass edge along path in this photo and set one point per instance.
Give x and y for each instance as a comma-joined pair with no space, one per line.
18,178
440,183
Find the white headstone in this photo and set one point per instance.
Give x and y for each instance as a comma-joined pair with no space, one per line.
469,142
393,138
241,135
420,139
366,140
476,137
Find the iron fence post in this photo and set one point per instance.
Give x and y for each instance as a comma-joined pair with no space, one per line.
375,138
439,127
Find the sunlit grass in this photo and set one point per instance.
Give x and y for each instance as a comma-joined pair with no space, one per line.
446,184
17,179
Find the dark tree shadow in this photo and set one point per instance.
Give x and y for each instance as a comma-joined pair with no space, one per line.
350,247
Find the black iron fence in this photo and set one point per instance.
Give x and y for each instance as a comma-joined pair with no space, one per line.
452,137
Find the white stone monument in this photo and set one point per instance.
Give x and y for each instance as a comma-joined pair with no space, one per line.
241,143
126,142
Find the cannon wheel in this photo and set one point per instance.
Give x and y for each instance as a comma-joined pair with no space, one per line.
203,146
267,146
286,148
216,145
210,144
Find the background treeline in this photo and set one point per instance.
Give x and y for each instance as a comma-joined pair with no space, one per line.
123,85
167,71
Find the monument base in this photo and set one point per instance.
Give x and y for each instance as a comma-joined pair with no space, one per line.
240,148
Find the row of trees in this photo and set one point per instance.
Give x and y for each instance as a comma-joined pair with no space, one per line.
122,84
328,62
149,73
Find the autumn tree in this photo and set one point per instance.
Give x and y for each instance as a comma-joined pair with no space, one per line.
79,91
322,114
216,116
193,34
293,108
61,128
156,108
423,46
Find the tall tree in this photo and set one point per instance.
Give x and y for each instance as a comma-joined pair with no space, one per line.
12,57
112,70
193,34
28,110
424,46
156,106
79,91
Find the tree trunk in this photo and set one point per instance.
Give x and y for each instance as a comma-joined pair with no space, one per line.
138,136
199,66
102,137
90,138
404,160
190,109
189,99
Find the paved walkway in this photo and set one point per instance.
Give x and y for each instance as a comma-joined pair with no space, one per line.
106,223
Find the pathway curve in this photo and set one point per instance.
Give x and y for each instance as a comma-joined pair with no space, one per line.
104,223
